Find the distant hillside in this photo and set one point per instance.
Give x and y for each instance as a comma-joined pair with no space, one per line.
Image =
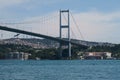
45,43
33,42
90,43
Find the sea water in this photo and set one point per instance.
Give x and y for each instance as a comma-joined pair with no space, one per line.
60,70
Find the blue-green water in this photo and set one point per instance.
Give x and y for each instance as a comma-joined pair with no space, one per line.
60,70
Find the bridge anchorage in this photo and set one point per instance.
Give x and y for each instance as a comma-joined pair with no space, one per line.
65,26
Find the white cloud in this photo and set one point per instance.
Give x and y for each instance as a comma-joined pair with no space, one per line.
98,26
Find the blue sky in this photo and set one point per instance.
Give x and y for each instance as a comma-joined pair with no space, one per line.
98,19
29,8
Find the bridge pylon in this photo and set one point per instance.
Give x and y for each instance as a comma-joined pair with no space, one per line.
65,26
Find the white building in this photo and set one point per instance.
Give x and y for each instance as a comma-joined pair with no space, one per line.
97,55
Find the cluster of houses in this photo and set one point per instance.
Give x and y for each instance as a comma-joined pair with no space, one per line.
85,55
18,55
95,55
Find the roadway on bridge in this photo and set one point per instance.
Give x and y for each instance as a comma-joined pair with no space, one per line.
63,41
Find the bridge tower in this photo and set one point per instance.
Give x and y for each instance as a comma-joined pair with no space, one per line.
65,26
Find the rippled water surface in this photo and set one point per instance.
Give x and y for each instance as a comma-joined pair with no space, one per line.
60,70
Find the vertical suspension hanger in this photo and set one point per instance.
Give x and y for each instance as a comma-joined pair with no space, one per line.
1,34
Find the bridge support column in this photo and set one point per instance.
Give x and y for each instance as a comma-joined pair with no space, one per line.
65,26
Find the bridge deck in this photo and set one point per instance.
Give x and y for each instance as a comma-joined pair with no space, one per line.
37,35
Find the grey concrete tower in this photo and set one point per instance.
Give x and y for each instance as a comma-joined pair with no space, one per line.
65,26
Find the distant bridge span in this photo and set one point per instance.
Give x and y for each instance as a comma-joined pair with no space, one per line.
37,35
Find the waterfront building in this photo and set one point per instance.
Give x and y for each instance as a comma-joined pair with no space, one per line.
97,55
17,55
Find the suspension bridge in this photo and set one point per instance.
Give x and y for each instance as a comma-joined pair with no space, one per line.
61,23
